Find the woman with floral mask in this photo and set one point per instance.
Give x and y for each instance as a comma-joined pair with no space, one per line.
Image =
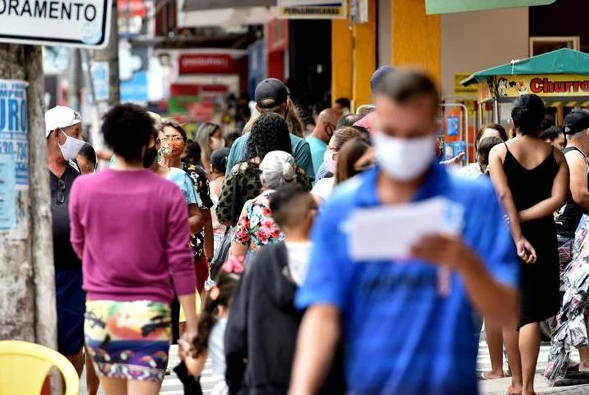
210,138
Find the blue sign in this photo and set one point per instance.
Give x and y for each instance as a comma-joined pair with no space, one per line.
136,89
14,127
100,80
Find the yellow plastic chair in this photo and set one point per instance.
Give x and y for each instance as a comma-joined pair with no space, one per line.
24,367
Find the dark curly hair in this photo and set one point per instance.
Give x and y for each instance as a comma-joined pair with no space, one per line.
127,128
269,133
226,283
528,114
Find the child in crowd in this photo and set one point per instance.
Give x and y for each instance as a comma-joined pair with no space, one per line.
211,331
86,160
263,323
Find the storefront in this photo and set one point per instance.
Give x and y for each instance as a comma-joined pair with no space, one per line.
560,77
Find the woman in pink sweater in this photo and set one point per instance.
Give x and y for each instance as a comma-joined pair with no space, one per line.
130,227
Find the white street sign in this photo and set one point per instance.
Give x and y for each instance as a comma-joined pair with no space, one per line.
76,23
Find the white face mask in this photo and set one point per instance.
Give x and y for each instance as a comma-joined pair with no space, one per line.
217,143
404,159
71,147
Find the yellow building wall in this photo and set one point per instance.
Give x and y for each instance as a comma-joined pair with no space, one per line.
415,40
416,37
341,59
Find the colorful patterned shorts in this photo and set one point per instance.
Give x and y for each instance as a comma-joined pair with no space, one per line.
128,340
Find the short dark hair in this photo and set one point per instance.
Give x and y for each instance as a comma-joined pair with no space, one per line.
485,146
193,153
552,133
175,125
495,126
347,120
269,133
219,159
404,86
548,122
528,114
88,152
127,128
344,102
286,204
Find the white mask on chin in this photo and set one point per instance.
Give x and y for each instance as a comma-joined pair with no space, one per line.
71,147
404,159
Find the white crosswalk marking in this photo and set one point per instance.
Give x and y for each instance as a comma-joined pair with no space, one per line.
484,361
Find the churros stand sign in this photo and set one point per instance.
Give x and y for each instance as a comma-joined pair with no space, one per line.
541,85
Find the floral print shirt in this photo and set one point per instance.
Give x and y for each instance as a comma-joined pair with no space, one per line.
201,185
255,227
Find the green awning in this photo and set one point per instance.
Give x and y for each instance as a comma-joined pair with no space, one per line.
562,61
450,6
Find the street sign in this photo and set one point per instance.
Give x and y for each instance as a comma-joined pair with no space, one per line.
312,9
51,22
450,6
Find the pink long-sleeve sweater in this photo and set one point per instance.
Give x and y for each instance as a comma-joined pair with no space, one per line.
131,230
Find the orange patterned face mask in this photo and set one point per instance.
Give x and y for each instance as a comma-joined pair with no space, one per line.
172,149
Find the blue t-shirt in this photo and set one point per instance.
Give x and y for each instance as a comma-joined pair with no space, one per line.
401,336
318,148
300,152
184,182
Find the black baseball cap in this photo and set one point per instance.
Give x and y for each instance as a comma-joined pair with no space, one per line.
576,121
271,93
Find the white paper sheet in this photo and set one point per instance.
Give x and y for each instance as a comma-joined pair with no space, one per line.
389,232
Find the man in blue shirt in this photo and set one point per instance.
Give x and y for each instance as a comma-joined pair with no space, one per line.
401,336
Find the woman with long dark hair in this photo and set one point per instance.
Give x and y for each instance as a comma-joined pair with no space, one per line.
269,133
531,179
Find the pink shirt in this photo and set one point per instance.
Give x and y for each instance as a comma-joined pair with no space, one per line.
131,230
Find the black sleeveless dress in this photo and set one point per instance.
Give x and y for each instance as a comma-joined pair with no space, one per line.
539,283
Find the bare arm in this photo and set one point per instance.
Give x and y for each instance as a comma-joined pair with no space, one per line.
560,190
196,365
195,218
578,179
484,291
499,179
318,337
209,246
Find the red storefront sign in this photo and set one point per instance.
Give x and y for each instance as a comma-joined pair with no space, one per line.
129,8
277,39
203,111
206,64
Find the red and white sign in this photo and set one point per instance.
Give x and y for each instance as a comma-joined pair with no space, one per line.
202,111
206,64
130,8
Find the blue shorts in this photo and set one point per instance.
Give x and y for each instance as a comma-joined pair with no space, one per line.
71,306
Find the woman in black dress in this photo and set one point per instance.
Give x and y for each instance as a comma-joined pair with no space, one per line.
531,179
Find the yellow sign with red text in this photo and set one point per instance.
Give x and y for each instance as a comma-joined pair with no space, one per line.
542,85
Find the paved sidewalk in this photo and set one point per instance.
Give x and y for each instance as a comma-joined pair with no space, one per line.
499,387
